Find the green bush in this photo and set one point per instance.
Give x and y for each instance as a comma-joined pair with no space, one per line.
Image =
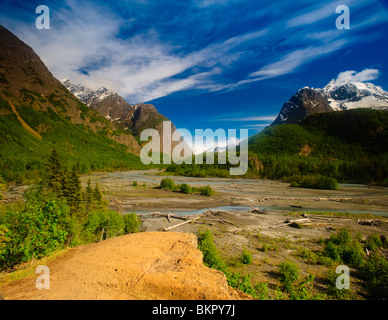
168,184
289,273
243,283
375,273
341,248
319,182
206,191
211,256
341,237
132,223
246,257
331,279
35,232
185,188
101,225
373,242
134,184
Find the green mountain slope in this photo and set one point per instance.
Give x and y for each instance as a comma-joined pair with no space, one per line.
348,145
37,114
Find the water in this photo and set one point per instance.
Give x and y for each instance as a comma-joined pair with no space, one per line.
268,208
196,212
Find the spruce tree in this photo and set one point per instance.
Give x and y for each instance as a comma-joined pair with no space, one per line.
65,183
2,188
89,197
74,196
54,173
97,196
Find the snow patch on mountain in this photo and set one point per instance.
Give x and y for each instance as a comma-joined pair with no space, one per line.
346,94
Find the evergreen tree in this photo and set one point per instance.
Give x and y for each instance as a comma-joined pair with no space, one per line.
97,196
2,188
54,173
74,197
89,197
65,183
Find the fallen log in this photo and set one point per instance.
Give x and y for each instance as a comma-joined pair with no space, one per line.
213,212
257,210
291,222
180,224
295,206
226,221
167,215
368,222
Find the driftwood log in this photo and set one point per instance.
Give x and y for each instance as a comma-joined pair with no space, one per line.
291,222
180,224
213,212
368,222
257,210
167,215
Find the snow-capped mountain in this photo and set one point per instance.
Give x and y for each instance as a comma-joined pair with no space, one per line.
337,95
305,102
344,95
125,116
114,108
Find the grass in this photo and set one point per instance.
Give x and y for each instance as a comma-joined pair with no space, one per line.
28,268
338,214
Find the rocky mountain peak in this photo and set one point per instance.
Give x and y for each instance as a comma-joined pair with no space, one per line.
337,95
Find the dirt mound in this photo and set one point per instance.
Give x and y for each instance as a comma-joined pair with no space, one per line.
149,265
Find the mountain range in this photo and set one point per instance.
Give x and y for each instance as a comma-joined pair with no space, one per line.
127,117
337,95
343,121
38,113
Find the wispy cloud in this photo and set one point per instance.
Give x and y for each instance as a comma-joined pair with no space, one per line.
144,59
362,76
315,13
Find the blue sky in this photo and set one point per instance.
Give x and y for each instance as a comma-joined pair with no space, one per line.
206,63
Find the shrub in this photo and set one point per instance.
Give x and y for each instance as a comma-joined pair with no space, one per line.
33,233
211,256
246,257
168,184
242,283
185,188
206,191
373,242
333,291
100,225
341,248
341,237
134,184
316,182
289,273
375,273
132,223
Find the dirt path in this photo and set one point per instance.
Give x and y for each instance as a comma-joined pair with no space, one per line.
151,265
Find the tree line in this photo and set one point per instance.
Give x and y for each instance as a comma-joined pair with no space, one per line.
58,212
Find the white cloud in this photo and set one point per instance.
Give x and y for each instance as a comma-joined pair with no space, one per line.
312,15
291,61
365,75
140,68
